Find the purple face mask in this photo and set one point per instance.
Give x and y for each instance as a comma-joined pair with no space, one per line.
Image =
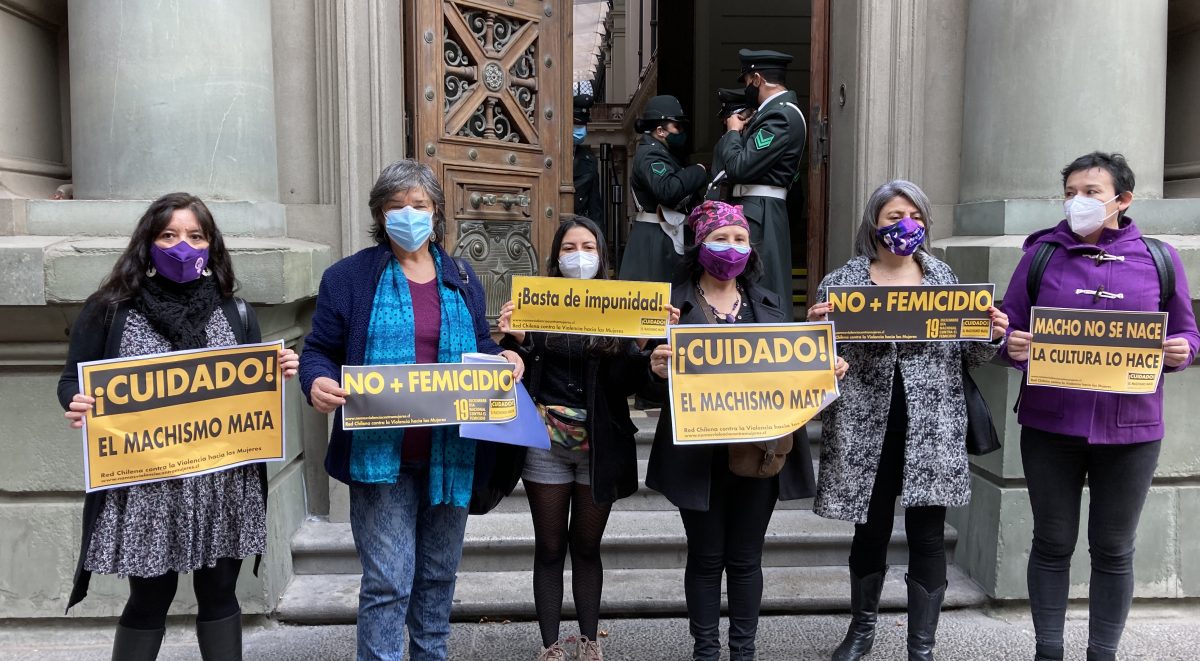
180,263
903,238
723,261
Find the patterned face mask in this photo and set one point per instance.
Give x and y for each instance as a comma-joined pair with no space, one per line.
903,238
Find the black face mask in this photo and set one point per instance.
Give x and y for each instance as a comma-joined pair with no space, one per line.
752,95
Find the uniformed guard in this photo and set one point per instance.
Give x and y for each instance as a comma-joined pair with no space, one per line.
586,174
662,189
733,102
762,158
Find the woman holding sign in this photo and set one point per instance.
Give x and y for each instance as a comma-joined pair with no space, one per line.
172,289
1095,259
581,385
725,513
401,301
898,429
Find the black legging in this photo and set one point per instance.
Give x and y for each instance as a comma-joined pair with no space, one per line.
1118,479
727,539
150,598
565,517
924,526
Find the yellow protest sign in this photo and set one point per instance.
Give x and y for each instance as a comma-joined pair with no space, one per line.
428,395
181,413
748,382
620,308
912,313
1100,350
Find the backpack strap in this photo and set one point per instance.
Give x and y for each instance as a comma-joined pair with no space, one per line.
243,314
110,316
1165,267
462,269
1033,279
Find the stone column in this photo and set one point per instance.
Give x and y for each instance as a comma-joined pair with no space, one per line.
1049,81
176,96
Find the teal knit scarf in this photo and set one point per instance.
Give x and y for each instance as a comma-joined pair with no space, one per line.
375,453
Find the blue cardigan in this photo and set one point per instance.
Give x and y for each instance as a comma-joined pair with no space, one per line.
339,335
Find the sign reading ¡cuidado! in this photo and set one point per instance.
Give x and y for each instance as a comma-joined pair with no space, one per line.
749,382
182,413
917,313
1101,350
620,308
428,395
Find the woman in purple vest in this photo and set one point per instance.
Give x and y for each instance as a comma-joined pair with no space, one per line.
1100,262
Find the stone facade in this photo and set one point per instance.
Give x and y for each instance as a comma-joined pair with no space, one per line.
281,112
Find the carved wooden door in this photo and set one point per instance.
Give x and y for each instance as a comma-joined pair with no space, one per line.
489,95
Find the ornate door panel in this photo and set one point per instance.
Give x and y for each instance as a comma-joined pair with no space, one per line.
489,87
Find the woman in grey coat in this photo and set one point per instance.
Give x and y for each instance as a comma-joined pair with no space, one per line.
899,427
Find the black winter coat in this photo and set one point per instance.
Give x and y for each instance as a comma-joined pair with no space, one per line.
684,473
91,339
608,383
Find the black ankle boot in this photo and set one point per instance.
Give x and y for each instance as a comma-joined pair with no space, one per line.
137,644
923,612
864,613
1097,655
221,640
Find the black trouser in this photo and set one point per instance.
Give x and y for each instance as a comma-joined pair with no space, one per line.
150,598
924,526
1118,479
728,539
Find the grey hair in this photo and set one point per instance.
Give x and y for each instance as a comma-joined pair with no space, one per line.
399,177
865,242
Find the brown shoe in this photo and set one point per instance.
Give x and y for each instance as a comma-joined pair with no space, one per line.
553,653
588,650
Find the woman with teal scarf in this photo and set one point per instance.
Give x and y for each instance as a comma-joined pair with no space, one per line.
401,301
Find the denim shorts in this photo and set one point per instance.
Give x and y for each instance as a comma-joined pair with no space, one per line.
557,465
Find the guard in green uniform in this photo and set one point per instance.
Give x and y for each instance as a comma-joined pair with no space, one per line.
761,158
663,189
587,174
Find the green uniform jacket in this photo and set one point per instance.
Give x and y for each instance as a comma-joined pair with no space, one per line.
657,179
768,152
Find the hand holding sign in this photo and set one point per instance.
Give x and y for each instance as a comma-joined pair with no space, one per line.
1175,352
1018,345
327,395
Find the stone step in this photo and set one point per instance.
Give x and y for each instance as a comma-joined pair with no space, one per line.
643,499
496,596
632,540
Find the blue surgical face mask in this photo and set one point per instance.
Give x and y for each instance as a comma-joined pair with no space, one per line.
410,228
740,248
578,134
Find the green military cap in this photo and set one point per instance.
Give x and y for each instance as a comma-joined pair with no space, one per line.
732,101
759,60
660,109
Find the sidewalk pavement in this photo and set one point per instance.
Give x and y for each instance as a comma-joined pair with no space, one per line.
1161,633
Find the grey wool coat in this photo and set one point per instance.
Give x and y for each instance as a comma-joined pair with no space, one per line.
935,455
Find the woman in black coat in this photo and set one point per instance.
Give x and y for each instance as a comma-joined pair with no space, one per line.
171,290
725,515
581,385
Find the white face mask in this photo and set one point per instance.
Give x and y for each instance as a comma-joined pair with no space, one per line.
1086,214
579,264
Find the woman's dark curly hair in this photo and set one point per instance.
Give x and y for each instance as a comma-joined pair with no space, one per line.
124,282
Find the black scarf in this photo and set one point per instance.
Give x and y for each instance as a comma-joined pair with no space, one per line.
179,312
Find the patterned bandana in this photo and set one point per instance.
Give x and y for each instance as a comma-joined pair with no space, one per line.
712,215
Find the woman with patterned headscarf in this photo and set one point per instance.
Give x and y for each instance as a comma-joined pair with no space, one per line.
725,513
